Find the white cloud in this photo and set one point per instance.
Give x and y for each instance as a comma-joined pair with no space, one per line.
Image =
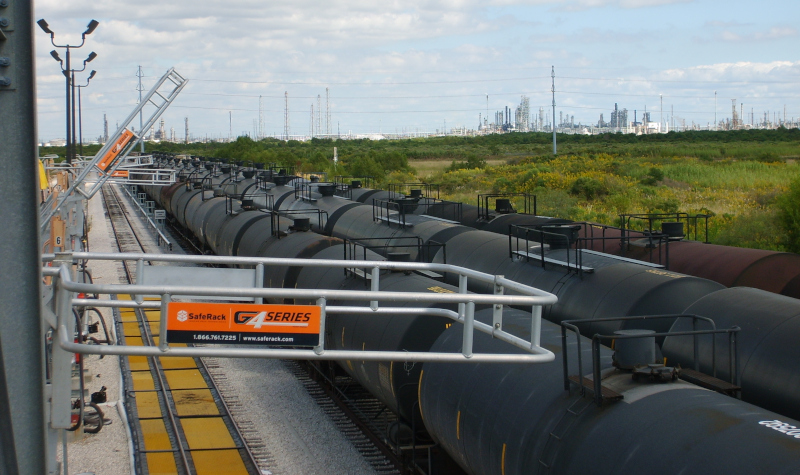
370,53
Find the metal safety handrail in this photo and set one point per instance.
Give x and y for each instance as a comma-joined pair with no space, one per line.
733,355
161,236
527,295
59,317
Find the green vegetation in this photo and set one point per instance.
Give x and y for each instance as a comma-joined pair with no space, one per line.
748,181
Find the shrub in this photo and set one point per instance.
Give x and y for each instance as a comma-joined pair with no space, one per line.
587,187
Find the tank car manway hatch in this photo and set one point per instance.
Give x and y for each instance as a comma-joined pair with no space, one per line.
243,317
112,163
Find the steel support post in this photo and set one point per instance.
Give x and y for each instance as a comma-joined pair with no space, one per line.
22,404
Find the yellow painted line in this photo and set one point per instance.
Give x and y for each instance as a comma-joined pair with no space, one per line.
155,328
419,394
128,317
161,463
138,363
152,315
142,381
207,433
130,329
185,379
147,405
195,402
503,461
134,341
178,362
155,435
458,426
218,462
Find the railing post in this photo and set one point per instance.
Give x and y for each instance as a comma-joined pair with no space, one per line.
696,346
139,278
736,370
469,327
536,326
162,327
61,378
320,348
462,289
259,281
598,395
497,310
564,358
376,286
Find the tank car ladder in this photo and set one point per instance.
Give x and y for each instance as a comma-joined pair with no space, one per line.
562,428
114,152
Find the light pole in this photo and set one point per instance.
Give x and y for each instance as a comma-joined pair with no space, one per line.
68,75
80,114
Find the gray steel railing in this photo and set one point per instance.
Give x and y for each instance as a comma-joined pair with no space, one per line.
58,313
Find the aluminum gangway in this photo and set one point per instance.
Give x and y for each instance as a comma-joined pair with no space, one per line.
114,153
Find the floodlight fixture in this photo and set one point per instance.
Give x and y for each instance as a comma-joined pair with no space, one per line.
91,27
45,27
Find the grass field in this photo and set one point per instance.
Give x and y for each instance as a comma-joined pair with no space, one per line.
429,168
740,195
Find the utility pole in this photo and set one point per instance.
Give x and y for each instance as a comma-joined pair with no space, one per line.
661,119
286,115
553,75
319,115
140,89
230,126
715,111
327,111
260,120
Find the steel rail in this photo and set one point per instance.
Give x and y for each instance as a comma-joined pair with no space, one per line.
147,338
179,441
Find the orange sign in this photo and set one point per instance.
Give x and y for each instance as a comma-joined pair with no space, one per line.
112,154
283,325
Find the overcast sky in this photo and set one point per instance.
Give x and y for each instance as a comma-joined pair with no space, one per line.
412,65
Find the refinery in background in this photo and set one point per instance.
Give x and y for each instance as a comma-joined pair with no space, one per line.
508,120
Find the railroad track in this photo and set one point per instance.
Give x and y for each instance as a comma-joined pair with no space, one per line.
181,423
358,415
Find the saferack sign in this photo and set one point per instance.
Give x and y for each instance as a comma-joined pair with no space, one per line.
226,323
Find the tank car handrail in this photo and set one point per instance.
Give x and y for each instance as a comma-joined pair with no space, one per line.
733,355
